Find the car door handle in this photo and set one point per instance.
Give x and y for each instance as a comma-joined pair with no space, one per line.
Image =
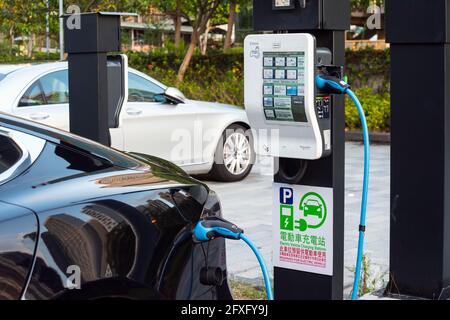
39,116
134,112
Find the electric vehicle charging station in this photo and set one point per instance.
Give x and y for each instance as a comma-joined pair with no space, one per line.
281,93
97,80
417,268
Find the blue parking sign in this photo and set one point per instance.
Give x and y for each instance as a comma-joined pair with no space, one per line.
286,196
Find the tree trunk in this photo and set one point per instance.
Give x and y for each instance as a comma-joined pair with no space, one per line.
203,16
187,58
11,36
204,45
230,29
178,24
30,46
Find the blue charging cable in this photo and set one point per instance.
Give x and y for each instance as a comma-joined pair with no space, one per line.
213,227
262,264
335,85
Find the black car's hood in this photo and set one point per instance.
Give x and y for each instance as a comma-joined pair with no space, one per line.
162,166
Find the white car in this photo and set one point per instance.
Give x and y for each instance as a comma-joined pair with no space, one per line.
201,137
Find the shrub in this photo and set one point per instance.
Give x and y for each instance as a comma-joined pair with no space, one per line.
215,77
219,77
368,68
376,107
13,55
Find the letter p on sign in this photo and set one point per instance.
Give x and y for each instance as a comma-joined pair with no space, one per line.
286,196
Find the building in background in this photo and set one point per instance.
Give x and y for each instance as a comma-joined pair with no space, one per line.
363,32
143,33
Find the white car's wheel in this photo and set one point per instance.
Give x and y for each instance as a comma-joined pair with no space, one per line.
235,156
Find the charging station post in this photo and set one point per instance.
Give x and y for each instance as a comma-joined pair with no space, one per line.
88,43
419,34
301,271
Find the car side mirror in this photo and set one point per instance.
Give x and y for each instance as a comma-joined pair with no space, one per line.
174,95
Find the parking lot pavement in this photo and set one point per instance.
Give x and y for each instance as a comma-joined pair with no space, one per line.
249,204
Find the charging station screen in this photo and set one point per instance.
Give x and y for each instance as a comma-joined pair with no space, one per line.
284,86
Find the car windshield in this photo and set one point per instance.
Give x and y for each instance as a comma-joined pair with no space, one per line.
313,203
2,76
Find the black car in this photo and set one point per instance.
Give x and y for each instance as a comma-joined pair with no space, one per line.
82,221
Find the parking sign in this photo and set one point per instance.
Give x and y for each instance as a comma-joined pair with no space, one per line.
286,196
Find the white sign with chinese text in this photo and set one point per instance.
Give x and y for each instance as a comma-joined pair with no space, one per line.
303,228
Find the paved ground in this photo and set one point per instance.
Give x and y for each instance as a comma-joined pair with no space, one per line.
249,204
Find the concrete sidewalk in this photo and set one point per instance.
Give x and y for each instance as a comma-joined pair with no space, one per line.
249,204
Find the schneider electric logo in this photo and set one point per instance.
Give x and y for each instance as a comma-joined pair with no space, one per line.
312,208
255,51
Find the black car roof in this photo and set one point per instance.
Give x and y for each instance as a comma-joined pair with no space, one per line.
68,139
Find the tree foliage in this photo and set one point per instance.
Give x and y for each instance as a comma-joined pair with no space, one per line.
135,6
364,4
22,17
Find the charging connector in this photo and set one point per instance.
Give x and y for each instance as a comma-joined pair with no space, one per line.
213,227
332,85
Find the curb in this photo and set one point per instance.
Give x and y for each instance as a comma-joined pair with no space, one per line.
376,137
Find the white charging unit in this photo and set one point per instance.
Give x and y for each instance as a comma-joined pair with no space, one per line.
287,118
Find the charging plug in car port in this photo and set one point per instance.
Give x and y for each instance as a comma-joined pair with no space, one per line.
210,276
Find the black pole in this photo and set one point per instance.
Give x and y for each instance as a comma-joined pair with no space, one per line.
419,33
328,173
89,96
327,20
87,44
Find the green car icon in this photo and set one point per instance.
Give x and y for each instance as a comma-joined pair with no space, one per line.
312,208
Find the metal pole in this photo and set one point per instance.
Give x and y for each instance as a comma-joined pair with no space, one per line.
87,50
47,28
420,159
61,30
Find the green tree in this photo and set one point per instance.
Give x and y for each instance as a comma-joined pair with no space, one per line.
233,8
198,13
364,4
28,18
134,6
225,14
176,9
219,17
24,19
